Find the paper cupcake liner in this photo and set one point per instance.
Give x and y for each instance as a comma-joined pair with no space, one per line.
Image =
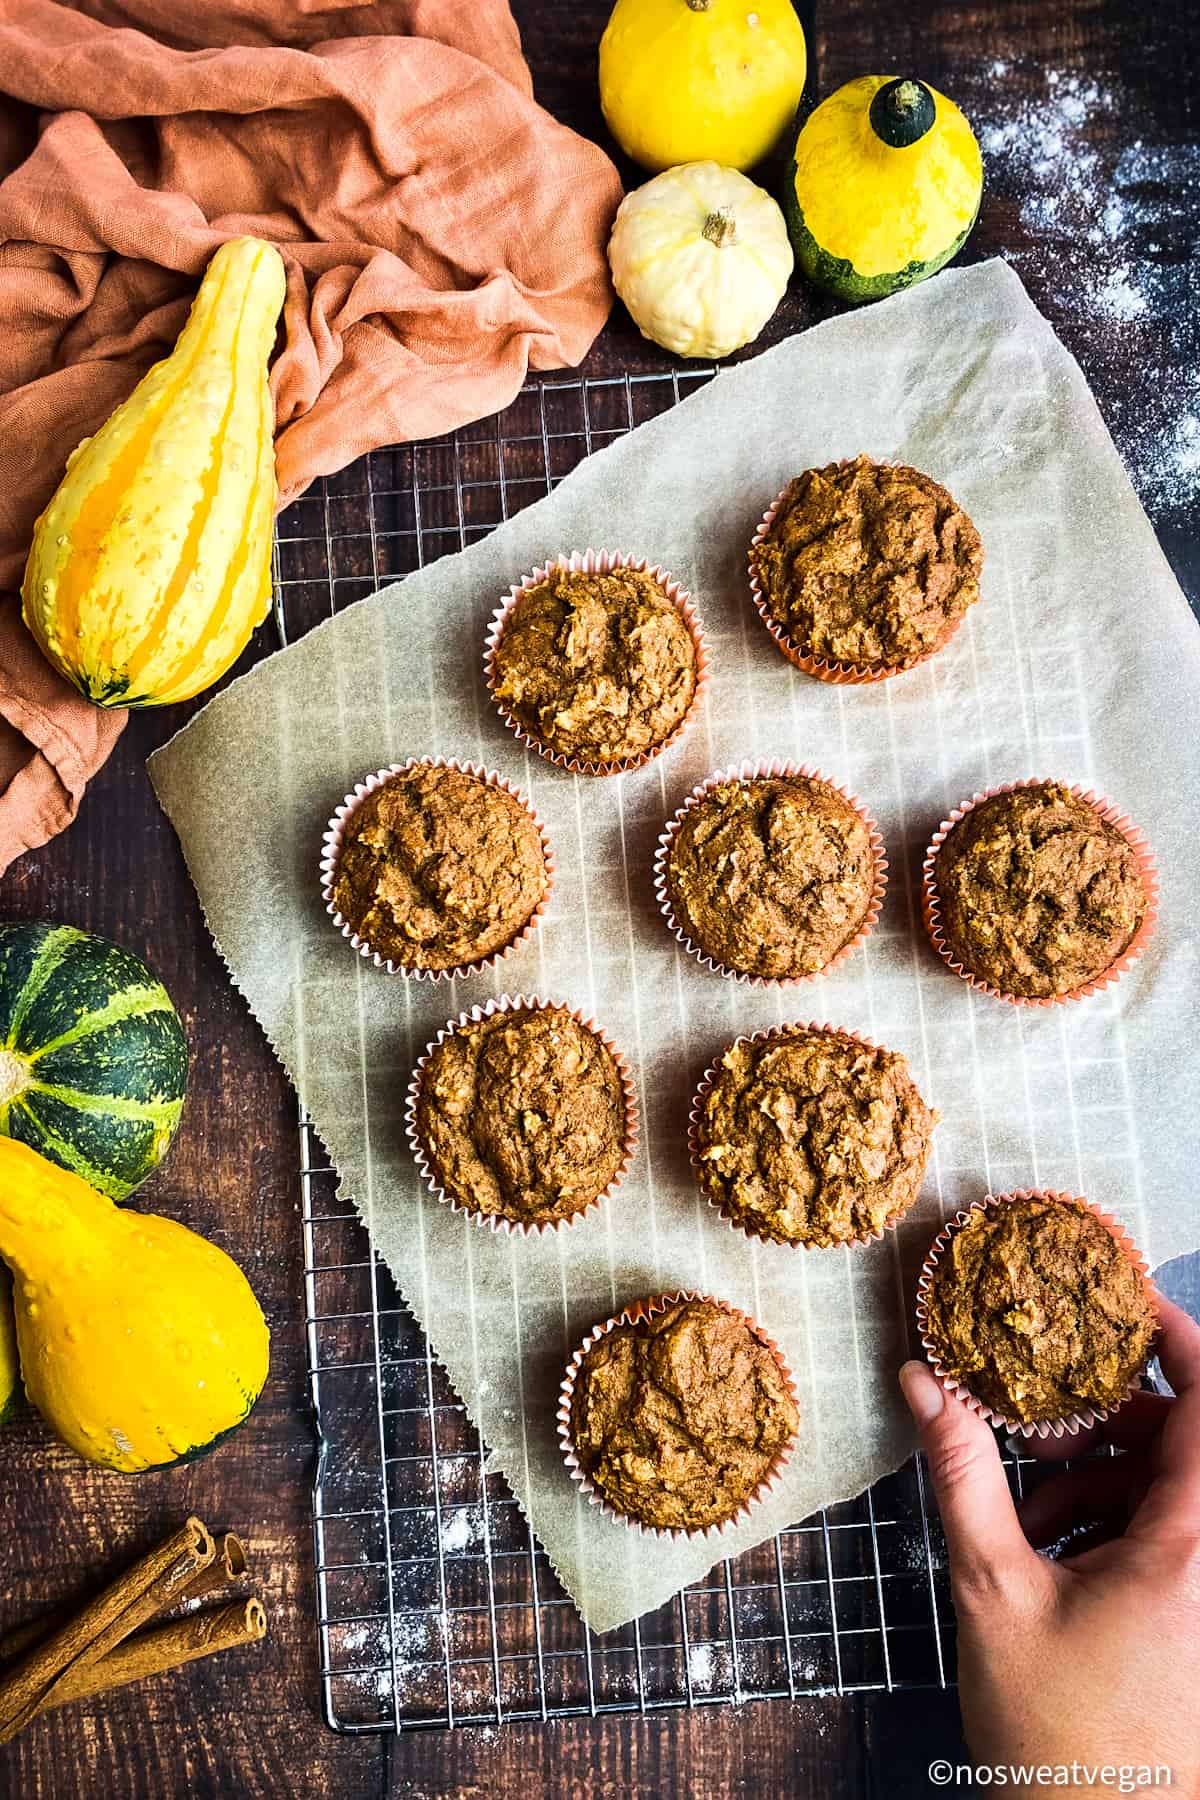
931,904
710,1074
840,674
646,1309
495,1221
1041,1428
767,771
332,842
596,562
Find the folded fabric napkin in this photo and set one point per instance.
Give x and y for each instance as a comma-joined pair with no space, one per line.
442,235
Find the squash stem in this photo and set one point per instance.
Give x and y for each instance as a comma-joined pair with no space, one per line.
720,228
699,5
14,1077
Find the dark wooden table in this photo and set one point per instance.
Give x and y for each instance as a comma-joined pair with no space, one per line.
1089,119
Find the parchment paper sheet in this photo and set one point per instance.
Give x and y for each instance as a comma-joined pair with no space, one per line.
1081,662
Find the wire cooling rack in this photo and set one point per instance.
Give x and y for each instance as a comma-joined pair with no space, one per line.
435,1604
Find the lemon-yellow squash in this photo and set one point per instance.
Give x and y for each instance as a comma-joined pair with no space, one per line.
151,566
884,187
701,80
10,1369
701,258
140,1342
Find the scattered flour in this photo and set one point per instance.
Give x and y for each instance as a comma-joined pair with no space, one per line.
1109,249
462,1529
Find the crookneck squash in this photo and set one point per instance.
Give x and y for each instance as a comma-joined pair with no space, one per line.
141,1343
884,187
151,565
93,1058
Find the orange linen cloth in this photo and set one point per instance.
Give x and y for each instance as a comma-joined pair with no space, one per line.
442,235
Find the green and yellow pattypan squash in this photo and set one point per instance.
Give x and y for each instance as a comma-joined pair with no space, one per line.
884,187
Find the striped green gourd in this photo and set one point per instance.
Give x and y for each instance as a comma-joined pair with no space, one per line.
93,1058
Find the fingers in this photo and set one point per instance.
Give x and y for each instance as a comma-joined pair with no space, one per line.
1131,1427
988,1551
1171,1509
1104,1488
1178,1347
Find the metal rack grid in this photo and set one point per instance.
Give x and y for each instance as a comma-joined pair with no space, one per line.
436,1606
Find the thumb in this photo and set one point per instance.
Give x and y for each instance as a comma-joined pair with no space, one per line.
989,1554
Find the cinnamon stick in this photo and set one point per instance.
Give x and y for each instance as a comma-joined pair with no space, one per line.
227,1566
166,1647
156,1581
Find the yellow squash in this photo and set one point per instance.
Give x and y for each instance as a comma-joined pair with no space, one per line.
884,187
140,1342
685,81
151,565
10,1368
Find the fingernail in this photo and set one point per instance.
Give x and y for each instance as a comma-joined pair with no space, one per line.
923,1392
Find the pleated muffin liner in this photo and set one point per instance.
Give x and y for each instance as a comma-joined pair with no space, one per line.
332,842
498,1222
931,903
840,674
768,1035
769,771
632,1314
596,562
1071,1423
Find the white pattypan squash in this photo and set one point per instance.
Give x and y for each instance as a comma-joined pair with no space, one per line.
701,258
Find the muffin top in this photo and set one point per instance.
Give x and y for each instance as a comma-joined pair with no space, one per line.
771,875
1038,893
437,867
867,563
677,1418
522,1114
812,1138
599,667
1034,1307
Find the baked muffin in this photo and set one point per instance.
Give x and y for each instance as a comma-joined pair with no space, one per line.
677,1418
521,1115
811,1137
1037,893
1035,1309
770,875
871,565
438,867
596,667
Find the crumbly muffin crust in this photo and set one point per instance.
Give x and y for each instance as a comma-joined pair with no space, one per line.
677,1418
598,667
812,1138
1037,893
771,875
868,563
1034,1307
522,1115
438,867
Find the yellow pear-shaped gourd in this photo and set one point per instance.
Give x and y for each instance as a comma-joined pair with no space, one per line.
140,1342
10,1368
151,565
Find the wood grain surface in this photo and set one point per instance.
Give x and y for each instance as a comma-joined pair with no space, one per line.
1128,304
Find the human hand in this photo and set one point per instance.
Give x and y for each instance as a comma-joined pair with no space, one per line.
1094,1658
